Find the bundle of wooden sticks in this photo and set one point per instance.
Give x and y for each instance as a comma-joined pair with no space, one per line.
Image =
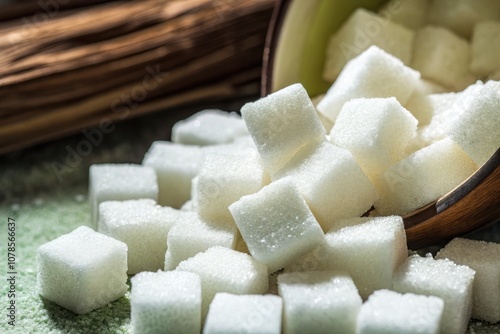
66,67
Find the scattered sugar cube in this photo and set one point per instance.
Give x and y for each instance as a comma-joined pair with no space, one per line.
143,226
276,224
318,302
332,183
281,123
477,129
166,302
82,270
175,166
374,73
441,278
409,13
191,235
368,249
389,312
376,131
209,127
484,258
225,270
229,314
423,177
360,31
485,48
224,179
443,57
119,182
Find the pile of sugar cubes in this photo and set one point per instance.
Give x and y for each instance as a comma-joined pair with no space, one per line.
288,217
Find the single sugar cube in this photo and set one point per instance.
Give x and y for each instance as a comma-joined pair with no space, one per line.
409,13
143,226
175,166
166,302
332,183
423,177
485,48
82,270
389,312
223,180
191,236
119,182
441,56
209,127
362,30
374,73
281,123
477,129
441,278
229,314
276,224
376,131
484,258
225,270
318,302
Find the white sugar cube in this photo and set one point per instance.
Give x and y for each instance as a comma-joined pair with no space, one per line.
119,182
191,235
175,166
477,129
409,13
362,30
225,270
281,123
389,312
423,177
224,179
166,302
229,314
381,241
485,48
143,226
443,57
374,73
332,183
441,278
484,258
318,302
276,224
376,131
82,270
209,127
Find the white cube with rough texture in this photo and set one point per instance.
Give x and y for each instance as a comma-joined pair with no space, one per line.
225,270
368,249
477,129
441,278
409,13
209,127
281,123
376,131
120,182
485,48
332,183
390,312
484,258
361,30
143,226
251,314
191,236
443,57
318,302
175,166
374,73
82,270
276,224
423,177
166,302
224,179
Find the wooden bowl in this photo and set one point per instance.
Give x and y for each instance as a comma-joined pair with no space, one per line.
294,52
